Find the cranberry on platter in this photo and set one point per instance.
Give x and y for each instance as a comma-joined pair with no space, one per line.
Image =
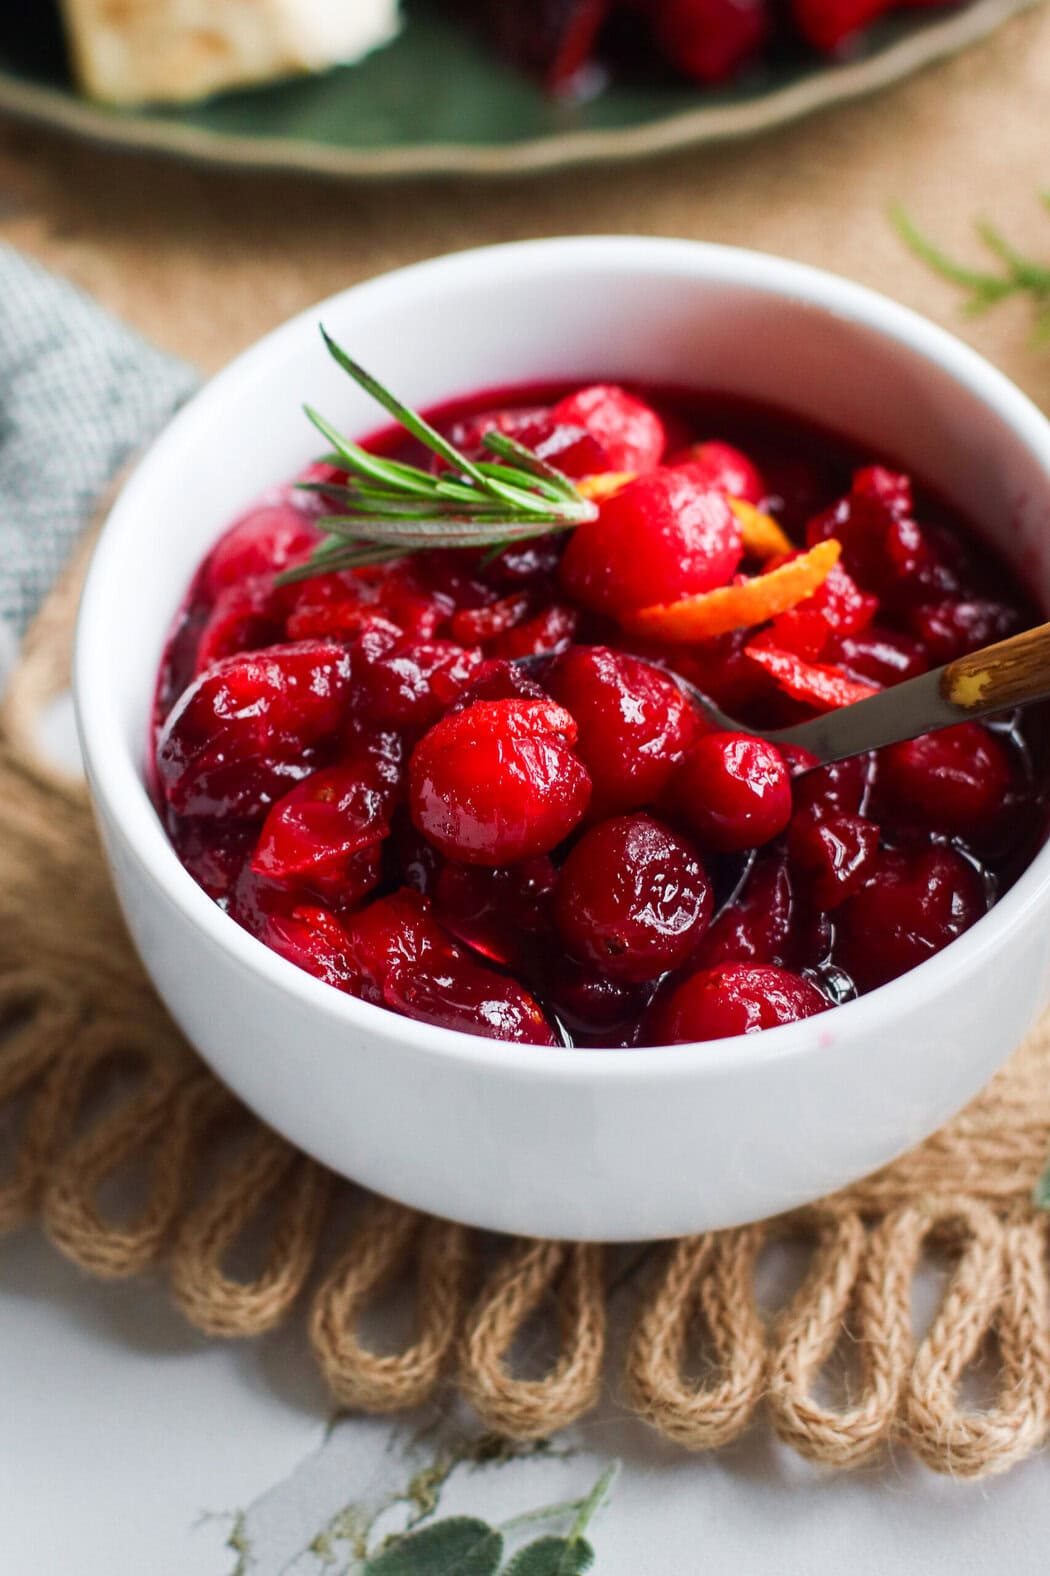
464,783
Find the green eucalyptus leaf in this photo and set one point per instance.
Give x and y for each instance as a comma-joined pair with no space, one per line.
458,1546
552,1556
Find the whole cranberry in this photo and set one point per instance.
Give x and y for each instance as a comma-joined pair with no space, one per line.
324,819
720,465
838,608
396,932
588,1003
834,854
759,925
734,790
829,24
214,852
629,430
954,780
408,683
243,617
841,787
914,903
314,940
634,722
241,735
551,630
499,679
464,995
566,444
663,537
267,540
498,912
633,900
498,781
738,998
952,628
711,39
879,656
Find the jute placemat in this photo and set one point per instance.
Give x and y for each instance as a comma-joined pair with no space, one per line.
96,1084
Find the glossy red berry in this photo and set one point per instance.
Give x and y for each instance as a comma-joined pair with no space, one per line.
408,683
954,780
879,656
828,24
715,464
757,926
245,617
264,542
663,537
734,790
629,430
240,736
711,39
915,902
589,1003
466,996
498,782
314,940
633,900
566,444
400,931
738,998
332,814
634,723
834,854
952,628
498,912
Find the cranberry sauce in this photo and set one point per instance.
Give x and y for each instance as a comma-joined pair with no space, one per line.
463,786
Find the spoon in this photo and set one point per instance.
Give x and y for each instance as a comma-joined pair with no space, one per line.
1013,672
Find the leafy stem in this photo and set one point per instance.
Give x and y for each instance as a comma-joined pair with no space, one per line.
387,508
1018,275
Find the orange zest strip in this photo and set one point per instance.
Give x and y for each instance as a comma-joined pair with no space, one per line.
742,606
818,684
761,534
603,484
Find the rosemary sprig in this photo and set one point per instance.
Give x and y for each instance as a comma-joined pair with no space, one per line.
389,508
1020,275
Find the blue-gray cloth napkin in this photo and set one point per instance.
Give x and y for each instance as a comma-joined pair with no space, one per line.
79,393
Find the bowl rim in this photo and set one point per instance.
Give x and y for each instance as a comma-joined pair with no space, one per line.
119,788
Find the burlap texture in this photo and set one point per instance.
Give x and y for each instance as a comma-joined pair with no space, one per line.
204,262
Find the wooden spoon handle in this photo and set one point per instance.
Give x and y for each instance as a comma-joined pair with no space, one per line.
1007,674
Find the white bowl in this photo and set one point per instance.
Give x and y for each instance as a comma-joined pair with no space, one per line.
589,1144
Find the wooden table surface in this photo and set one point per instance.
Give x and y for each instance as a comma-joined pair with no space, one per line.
203,262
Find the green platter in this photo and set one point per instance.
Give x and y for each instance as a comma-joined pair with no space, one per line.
435,102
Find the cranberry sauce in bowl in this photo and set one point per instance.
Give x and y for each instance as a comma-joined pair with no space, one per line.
461,785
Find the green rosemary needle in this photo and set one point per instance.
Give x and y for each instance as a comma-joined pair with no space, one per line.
388,508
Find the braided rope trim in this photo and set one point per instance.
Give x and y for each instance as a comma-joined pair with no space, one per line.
132,1157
